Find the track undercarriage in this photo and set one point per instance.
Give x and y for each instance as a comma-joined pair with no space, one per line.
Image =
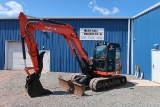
104,83
78,83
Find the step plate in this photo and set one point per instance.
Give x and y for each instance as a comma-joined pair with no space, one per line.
72,87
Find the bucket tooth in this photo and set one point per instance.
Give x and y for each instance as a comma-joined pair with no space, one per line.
72,87
34,88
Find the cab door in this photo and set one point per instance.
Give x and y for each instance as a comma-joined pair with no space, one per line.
113,57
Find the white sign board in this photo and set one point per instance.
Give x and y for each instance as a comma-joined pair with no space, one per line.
91,33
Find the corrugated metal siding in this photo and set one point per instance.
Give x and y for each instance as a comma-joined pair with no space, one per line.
146,34
9,30
62,59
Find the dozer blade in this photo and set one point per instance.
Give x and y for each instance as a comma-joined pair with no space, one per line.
72,87
35,88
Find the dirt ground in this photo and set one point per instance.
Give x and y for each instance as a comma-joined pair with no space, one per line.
135,93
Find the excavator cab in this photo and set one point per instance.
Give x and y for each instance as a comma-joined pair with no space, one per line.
107,57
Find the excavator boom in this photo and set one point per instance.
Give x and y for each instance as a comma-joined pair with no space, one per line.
27,28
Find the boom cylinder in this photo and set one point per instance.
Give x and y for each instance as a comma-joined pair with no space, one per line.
23,51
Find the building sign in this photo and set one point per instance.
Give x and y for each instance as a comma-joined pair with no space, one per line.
91,33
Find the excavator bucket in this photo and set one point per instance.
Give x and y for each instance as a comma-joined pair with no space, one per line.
34,88
72,87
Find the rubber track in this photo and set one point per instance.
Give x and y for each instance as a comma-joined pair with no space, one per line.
103,83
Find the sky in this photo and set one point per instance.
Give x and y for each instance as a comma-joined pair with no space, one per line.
74,8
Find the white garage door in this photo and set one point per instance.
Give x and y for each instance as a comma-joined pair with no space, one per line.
14,57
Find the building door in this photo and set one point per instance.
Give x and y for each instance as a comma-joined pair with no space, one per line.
155,65
14,57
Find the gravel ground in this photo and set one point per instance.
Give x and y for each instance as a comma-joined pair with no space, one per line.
13,94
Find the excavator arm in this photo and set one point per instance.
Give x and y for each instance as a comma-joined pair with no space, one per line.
27,29
27,32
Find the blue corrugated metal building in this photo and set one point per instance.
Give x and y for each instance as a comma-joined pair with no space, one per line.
61,58
145,33
137,37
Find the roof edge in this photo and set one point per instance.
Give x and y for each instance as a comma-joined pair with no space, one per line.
14,18
147,10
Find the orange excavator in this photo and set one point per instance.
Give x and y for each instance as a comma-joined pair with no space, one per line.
98,73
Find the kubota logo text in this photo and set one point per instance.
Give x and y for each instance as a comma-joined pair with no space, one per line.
50,28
